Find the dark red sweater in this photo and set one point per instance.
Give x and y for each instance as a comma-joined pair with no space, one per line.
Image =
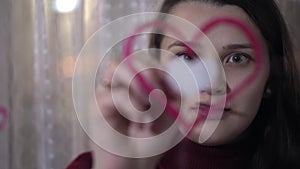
190,155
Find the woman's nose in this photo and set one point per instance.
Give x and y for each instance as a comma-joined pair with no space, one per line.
220,88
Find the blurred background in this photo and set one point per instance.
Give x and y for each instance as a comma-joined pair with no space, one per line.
39,43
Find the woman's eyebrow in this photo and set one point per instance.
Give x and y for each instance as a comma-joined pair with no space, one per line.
237,46
181,44
176,43
226,47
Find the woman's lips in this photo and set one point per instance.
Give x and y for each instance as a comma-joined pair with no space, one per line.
204,109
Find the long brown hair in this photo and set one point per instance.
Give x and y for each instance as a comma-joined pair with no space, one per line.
279,114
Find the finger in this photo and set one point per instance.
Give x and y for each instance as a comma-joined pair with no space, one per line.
139,130
109,112
161,77
106,78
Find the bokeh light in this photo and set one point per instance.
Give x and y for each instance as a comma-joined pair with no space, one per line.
64,6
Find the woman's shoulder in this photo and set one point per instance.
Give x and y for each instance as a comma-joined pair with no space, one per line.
83,161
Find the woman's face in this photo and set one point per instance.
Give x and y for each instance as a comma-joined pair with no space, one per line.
237,57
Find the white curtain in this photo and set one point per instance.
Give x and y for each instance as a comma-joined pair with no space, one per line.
38,48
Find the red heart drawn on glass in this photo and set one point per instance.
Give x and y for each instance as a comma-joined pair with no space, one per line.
127,50
4,115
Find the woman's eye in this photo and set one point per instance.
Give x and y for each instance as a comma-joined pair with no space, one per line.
237,58
185,56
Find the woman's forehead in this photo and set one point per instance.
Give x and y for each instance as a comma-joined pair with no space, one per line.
199,14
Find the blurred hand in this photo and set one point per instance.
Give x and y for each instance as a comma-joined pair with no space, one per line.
125,106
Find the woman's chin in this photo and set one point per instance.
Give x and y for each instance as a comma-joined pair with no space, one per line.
207,134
